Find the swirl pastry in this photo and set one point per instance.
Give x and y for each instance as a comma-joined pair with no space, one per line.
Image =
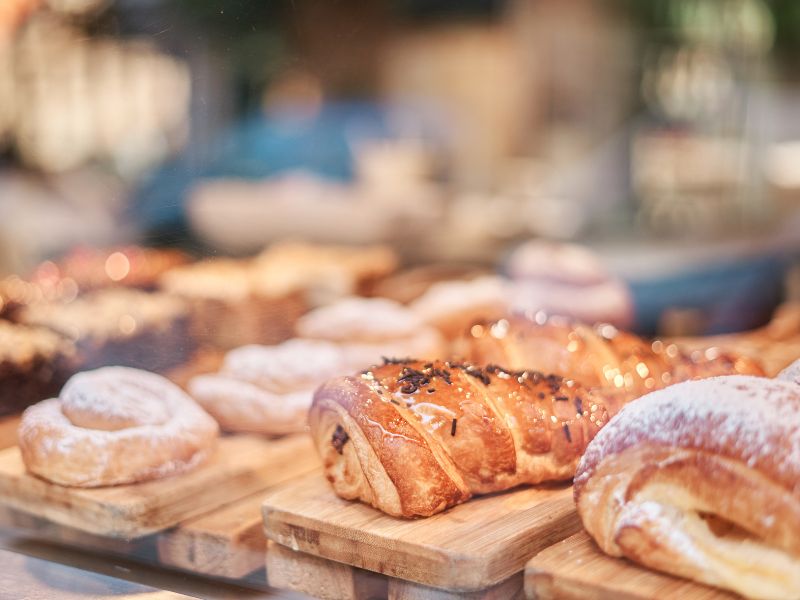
115,426
267,389
600,356
702,480
413,438
367,329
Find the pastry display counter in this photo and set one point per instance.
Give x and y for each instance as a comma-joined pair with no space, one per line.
463,300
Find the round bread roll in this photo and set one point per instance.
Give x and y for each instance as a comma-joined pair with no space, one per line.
702,480
115,426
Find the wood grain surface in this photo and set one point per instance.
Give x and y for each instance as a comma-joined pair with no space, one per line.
575,568
320,577
467,548
241,466
36,579
229,541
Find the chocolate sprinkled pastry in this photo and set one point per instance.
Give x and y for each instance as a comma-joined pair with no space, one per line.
429,435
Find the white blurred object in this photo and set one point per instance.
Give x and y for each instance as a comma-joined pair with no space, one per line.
38,220
452,306
241,216
76,99
568,280
563,263
782,165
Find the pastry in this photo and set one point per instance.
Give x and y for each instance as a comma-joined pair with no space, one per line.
368,329
230,306
115,426
413,438
702,480
567,280
409,284
119,326
452,306
85,269
600,356
324,273
92,268
267,389
34,364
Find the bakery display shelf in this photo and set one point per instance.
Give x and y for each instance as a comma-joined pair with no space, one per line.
470,548
576,568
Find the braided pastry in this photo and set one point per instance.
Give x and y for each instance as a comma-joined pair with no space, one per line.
413,438
601,356
702,479
113,426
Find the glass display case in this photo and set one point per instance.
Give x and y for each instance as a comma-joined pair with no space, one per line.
403,299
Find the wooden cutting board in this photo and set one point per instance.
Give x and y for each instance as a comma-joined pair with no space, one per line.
241,466
329,580
229,541
576,569
469,547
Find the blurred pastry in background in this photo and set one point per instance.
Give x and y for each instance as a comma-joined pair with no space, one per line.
453,306
84,269
369,329
407,285
231,306
599,356
567,280
129,266
34,364
119,326
325,272
267,389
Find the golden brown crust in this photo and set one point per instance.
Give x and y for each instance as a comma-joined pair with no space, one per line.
115,426
600,356
702,479
441,432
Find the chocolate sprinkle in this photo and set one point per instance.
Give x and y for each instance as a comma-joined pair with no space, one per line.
567,433
339,438
561,398
579,405
453,427
396,361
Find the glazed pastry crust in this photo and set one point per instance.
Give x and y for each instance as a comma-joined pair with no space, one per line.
701,479
413,438
115,426
599,357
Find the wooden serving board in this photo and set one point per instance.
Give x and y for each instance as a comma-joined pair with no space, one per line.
329,580
469,547
576,569
241,466
229,541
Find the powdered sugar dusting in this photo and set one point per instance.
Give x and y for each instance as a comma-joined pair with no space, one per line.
359,319
158,441
294,364
751,419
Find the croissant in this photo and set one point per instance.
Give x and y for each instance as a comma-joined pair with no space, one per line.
702,480
600,356
413,438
